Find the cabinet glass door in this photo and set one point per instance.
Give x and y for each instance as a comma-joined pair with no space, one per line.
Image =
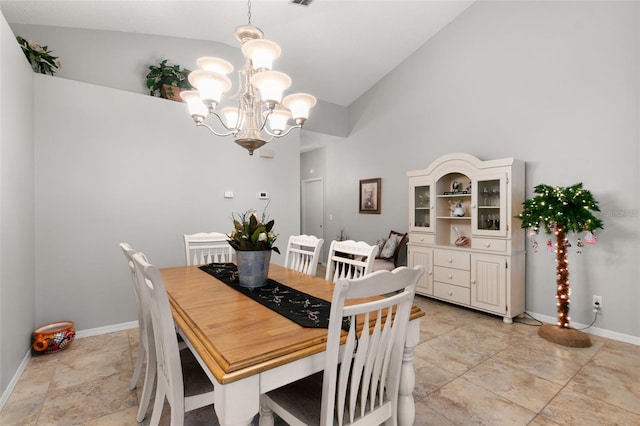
421,206
490,200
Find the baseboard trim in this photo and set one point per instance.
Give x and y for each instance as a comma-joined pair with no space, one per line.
14,381
613,335
106,329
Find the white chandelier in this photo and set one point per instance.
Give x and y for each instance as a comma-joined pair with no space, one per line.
261,113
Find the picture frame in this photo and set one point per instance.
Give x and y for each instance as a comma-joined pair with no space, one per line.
370,198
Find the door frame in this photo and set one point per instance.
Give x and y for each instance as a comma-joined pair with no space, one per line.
303,202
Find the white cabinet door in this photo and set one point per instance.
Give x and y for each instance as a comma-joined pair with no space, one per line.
489,283
421,205
489,200
422,256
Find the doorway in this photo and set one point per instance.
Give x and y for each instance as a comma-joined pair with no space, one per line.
312,198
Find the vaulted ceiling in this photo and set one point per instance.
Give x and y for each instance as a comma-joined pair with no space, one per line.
334,49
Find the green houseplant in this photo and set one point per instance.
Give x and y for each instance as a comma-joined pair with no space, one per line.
39,57
253,239
167,80
561,211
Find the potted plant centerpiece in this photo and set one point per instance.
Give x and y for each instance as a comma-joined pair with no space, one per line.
253,240
167,80
39,57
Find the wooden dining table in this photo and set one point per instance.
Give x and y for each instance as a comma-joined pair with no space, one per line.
247,349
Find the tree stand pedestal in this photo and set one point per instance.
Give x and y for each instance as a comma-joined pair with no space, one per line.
564,336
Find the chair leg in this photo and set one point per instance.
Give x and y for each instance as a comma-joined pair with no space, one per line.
138,367
266,415
157,406
149,378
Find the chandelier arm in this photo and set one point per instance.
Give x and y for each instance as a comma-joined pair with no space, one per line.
240,87
199,123
273,135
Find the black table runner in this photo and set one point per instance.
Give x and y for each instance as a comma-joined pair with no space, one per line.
301,308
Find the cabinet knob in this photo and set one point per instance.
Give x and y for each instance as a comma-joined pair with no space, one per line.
450,276
473,281
430,273
421,238
450,293
473,206
449,260
487,245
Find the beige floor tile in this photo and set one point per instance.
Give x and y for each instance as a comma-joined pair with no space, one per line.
463,348
429,378
613,386
36,378
425,416
573,408
514,384
22,412
84,368
86,401
464,403
541,420
556,368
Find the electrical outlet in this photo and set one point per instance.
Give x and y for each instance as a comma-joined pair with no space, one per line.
597,303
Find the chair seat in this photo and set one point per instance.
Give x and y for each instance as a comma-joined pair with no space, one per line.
380,264
304,398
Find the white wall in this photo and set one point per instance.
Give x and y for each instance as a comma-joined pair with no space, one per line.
120,60
17,278
555,84
114,166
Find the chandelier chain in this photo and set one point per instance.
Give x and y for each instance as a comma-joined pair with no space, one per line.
249,11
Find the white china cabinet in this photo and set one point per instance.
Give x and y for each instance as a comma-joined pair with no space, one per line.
462,229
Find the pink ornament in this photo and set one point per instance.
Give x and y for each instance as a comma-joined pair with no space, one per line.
589,238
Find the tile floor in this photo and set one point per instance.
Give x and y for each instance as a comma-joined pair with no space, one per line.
471,369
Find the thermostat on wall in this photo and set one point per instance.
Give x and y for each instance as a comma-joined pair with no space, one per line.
263,195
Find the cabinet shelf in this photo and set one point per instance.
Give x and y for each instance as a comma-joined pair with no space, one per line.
453,195
454,217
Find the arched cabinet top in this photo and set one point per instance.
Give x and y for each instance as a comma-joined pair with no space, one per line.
461,162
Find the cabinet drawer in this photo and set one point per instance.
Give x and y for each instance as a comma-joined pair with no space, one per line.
421,238
451,276
489,244
452,292
451,259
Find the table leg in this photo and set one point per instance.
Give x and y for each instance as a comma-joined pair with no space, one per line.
266,415
406,405
237,403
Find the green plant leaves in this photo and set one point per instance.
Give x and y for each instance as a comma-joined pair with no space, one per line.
172,75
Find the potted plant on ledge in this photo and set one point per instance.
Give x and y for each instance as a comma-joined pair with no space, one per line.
167,80
561,211
39,57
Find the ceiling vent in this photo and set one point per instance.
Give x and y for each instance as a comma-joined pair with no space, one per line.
302,2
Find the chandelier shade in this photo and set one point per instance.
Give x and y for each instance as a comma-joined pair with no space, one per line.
260,112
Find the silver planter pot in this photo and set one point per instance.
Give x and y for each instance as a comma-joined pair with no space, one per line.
253,267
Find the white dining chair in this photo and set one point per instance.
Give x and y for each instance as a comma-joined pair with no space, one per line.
146,348
303,253
350,259
204,248
360,381
170,383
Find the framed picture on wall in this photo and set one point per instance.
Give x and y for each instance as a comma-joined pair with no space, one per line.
370,195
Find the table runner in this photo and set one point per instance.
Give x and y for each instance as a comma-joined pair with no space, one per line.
301,308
